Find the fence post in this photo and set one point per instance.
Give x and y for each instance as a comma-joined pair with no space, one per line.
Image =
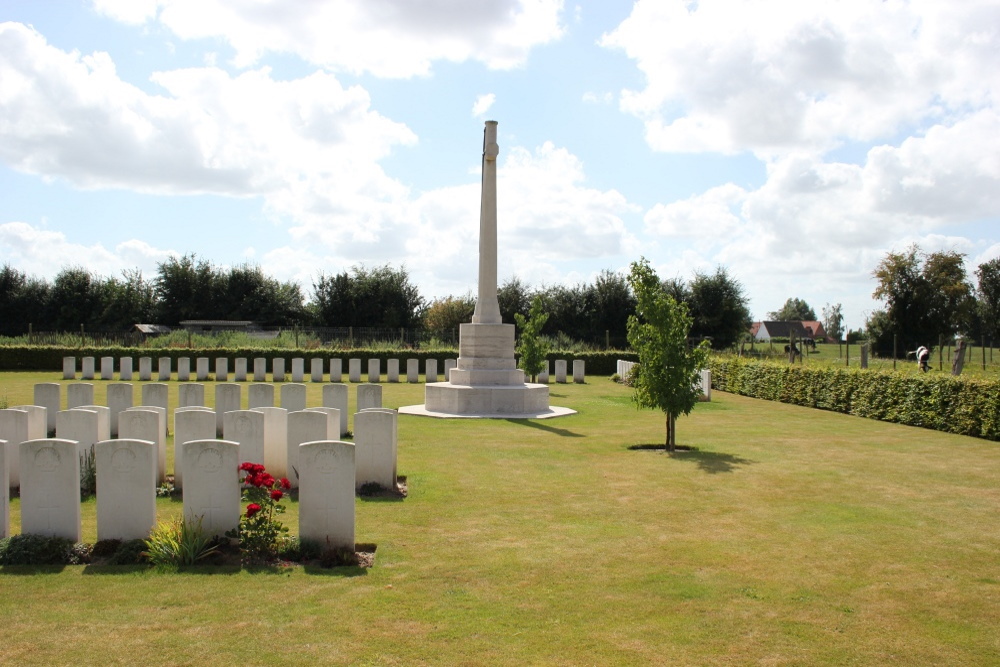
82,343
189,339
30,331
940,352
983,345
296,329
607,339
894,338
847,357
350,336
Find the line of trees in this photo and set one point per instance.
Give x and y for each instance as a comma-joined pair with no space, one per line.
189,288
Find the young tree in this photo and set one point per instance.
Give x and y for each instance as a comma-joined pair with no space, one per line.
530,346
833,321
668,368
794,310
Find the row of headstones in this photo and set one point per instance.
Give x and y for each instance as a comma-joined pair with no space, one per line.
270,434
228,396
259,374
126,500
624,368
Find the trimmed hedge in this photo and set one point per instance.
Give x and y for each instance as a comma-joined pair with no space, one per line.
43,358
966,406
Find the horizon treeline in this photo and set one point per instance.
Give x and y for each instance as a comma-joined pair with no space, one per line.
190,288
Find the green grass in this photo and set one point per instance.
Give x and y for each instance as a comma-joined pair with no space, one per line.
788,536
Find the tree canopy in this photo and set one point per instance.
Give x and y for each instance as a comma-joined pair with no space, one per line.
719,308
794,310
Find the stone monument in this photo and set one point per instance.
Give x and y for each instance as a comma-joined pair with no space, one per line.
486,381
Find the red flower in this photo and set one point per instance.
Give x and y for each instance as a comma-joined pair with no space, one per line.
252,509
266,480
285,484
276,494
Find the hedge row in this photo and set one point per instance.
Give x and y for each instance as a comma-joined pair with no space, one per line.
966,406
41,358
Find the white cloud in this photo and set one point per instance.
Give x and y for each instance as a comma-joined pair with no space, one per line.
388,38
778,75
483,104
309,147
44,253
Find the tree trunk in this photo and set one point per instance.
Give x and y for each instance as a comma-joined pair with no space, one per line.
671,433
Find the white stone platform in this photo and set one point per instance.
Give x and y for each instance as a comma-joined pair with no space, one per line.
548,413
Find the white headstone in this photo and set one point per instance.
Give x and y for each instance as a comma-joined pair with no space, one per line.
145,369
147,423
561,371
184,369
275,440
259,369
578,368
222,369
413,371
374,370
333,417
15,428
369,396
326,493
228,397
201,368
543,376
293,397
247,428
156,395
88,368
278,369
375,448
79,393
121,396
241,369
212,486
50,488
335,396
260,395
336,370
163,369
303,426
190,424
125,368
316,370
48,395
103,420
392,370
126,476
448,365
107,368
431,370
69,368
706,384
191,395
354,370
298,369
4,492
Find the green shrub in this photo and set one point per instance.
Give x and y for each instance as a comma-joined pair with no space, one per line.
966,406
178,542
42,550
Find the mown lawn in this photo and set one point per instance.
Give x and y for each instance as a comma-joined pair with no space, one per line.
785,536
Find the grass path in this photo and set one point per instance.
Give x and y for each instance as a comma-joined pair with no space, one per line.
788,536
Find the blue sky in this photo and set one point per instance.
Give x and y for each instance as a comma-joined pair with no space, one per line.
793,143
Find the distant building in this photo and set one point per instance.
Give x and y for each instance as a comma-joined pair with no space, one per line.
151,329
769,330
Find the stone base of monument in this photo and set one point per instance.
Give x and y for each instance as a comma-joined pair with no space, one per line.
486,382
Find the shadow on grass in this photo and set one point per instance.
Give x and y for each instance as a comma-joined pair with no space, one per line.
341,571
545,427
22,570
709,462
116,569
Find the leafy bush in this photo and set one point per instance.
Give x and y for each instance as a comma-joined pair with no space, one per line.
178,542
966,406
42,550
